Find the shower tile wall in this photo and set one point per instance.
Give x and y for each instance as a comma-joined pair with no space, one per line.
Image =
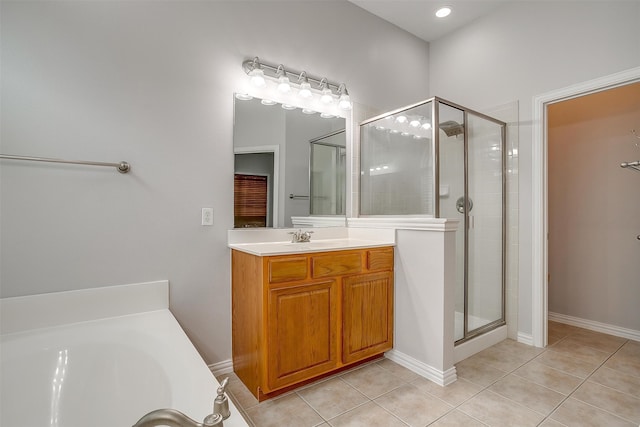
508,113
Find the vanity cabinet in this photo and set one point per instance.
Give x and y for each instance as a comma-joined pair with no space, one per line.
299,317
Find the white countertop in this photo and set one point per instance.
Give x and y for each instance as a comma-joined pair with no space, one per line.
273,242
286,248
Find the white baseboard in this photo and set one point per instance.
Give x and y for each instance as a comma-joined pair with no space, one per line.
525,338
439,377
220,368
592,325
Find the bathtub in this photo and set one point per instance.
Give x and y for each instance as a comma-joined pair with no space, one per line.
102,357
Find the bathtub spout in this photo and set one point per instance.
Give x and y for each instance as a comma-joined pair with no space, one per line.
173,418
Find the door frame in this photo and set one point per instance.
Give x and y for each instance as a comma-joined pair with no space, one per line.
539,190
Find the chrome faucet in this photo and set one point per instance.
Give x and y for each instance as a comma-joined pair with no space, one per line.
173,418
300,236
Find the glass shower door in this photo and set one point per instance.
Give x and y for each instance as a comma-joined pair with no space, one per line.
328,170
485,263
471,191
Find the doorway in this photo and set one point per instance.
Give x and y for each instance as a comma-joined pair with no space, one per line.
539,190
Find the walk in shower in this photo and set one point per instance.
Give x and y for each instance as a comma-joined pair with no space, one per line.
437,159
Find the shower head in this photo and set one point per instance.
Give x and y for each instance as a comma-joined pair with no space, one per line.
452,128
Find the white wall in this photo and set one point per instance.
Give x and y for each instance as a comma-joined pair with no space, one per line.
524,49
594,209
152,83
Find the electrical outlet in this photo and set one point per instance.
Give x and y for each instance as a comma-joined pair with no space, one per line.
207,216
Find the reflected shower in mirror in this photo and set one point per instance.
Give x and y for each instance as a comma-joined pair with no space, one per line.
289,162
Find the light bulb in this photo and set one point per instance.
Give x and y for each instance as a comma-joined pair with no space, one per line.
268,102
257,77
401,119
308,111
345,102
288,107
284,85
305,90
414,123
426,126
327,96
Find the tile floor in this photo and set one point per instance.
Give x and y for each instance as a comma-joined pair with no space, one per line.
583,378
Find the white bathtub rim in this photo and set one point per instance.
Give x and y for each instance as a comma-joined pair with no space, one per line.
40,311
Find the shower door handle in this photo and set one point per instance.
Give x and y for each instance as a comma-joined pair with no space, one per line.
460,204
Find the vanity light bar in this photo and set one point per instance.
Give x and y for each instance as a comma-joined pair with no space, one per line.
276,72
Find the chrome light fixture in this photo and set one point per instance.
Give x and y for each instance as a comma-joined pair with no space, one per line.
344,102
257,75
305,86
284,85
327,94
260,72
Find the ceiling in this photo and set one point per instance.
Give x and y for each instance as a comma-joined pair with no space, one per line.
418,16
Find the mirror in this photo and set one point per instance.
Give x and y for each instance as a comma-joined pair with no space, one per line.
288,163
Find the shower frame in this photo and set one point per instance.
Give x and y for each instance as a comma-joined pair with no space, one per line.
435,138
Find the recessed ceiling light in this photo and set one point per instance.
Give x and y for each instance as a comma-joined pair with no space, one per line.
443,12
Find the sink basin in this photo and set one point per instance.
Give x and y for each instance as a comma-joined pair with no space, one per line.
317,244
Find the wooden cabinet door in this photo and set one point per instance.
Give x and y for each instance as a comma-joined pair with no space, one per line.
302,328
367,319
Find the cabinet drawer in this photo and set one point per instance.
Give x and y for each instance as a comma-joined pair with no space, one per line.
335,265
287,269
380,259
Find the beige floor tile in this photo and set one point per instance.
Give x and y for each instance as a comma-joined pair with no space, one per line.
631,348
561,328
373,380
617,380
457,419
413,406
523,351
554,337
572,347
497,411
531,395
565,362
453,394
597,340
368,415
472,369
400,371
551,423
626,361
332,398
240,394
549,377
621,404
505,357
286,411
573,413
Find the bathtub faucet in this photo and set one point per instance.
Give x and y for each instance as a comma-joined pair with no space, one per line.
173,418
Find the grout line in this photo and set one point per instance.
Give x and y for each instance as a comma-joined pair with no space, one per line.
580,385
